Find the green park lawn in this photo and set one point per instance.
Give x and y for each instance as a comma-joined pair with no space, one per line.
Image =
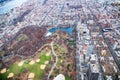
35,68
71,42
67,78
21,37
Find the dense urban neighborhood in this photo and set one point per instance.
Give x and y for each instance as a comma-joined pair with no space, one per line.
59,39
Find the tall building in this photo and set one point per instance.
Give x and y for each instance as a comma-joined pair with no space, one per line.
93,72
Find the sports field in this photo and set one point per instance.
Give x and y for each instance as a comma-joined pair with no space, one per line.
34,66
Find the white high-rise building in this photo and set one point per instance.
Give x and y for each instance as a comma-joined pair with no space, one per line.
60,77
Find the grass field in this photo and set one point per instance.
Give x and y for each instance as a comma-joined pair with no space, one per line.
67,78
71,42
21,37
35,68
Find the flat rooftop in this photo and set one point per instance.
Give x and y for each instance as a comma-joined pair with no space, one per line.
94,68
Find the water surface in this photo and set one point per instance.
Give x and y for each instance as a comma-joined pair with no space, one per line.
10,5
67,30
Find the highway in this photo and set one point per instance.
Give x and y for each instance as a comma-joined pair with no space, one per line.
78,64
77,56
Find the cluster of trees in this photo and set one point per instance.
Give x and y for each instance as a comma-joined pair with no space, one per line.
26,47
66,60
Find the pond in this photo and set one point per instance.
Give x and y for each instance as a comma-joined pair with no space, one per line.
65,29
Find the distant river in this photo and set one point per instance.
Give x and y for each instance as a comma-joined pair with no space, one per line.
12,4
15,3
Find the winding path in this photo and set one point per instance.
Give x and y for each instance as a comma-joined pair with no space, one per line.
54,65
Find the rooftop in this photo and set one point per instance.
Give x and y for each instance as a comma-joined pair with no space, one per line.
94,68
60,77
